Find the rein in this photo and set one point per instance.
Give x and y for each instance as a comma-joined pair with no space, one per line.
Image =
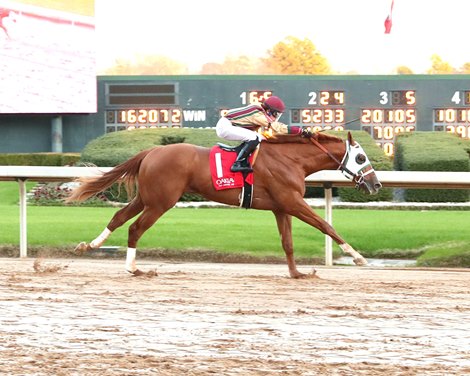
326,151
358,179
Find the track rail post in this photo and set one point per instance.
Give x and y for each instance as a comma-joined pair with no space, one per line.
329,220
23,219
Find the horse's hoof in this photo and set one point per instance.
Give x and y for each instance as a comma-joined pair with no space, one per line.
140,273
299,275
82,248
360,261
136,273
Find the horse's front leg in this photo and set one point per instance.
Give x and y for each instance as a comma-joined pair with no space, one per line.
358,259
284,224
306,214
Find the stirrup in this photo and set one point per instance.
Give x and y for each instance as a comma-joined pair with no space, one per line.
239,166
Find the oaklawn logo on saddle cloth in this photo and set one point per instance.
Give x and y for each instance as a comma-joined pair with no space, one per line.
221,159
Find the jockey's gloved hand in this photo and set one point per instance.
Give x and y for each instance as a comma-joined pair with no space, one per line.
307,133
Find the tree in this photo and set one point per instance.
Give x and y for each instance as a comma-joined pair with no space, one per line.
295,56
233,65
402,69
465,69
147,65
438,66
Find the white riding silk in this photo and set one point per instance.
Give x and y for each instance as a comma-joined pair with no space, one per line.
229,132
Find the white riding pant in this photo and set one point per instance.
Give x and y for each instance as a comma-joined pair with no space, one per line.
227,131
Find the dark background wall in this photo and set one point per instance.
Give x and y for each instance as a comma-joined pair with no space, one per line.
200,100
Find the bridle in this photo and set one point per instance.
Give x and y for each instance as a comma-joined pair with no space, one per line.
358,177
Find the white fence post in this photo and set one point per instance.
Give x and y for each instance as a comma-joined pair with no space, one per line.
329,219
23,219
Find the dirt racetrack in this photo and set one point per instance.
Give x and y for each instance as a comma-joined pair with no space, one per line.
88,317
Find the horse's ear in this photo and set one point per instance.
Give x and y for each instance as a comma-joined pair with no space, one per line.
350,139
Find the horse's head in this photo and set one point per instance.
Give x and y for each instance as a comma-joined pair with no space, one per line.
357,168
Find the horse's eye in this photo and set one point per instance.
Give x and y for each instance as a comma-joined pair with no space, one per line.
360,158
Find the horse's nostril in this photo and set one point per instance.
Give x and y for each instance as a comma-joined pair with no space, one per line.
377,186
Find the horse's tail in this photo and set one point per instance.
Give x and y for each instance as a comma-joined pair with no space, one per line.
124,173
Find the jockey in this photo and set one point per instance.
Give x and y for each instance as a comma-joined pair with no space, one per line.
248,124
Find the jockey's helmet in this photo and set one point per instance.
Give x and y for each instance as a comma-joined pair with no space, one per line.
274,107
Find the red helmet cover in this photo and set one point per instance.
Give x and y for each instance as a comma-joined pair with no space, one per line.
275,103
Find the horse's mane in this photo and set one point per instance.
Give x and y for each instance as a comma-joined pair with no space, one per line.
295,138
325,137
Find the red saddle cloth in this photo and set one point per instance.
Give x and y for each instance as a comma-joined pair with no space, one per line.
220,162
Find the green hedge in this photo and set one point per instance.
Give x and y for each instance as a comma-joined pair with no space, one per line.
114,148
379,161
39,159
432,151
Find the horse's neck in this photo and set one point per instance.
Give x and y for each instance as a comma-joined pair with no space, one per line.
317,159
304,154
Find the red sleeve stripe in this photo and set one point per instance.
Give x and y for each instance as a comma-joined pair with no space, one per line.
240,113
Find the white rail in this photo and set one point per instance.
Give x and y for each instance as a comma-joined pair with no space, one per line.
326,179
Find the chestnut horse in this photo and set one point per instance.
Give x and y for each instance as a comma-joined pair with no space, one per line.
162,174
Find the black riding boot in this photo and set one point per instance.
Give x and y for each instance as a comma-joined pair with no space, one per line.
241,164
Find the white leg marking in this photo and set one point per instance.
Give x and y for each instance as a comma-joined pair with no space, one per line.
98,242
357,258
130,260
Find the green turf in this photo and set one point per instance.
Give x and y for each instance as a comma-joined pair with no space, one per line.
373,232
430,235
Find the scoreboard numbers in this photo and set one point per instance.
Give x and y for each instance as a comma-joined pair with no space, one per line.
382,106
325,111
143,118
454,119
397,115
255,96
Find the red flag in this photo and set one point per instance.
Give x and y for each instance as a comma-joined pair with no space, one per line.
388,20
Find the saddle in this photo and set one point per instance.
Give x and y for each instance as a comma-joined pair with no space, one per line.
235,149
220,160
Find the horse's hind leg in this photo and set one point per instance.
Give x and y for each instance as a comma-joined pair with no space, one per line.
121,217
284,224
146,220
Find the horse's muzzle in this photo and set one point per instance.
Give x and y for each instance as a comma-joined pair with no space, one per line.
369,184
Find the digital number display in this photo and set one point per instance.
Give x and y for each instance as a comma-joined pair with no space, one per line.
461,97
452,115
388,116
397,116
250,97
453,120
326,98
398,97
309,116
143,118
325,112
387,133
255,96
383,124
